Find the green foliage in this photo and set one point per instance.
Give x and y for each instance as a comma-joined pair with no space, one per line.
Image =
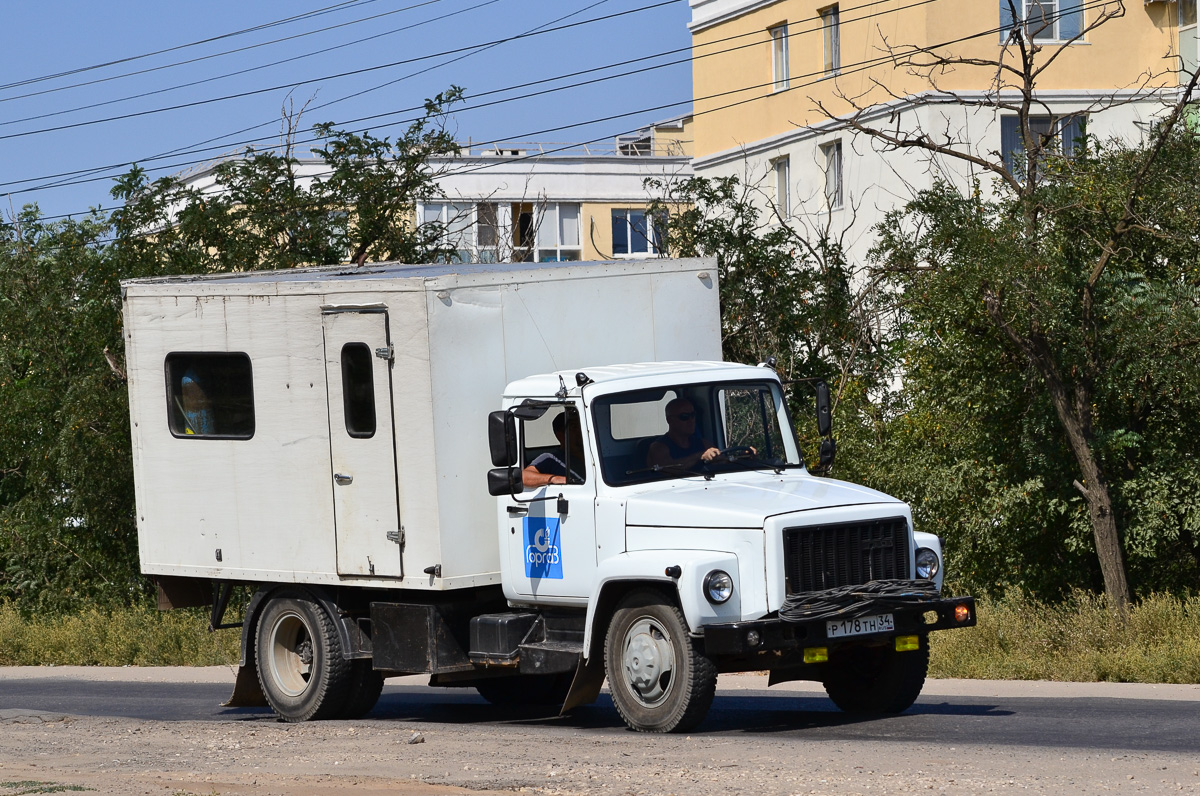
67,529
1004,299
781,295
358,206
66,502
1080,639
134,636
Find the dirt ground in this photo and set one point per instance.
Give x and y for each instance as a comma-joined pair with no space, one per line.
45,753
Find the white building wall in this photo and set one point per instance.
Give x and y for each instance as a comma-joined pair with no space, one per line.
876,180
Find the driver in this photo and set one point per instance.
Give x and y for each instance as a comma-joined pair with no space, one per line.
682,446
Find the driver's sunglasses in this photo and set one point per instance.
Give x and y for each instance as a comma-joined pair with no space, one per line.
686,415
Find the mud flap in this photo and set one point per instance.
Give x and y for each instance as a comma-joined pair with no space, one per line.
585,688
247,691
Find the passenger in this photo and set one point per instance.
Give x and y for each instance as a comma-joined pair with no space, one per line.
195,406
550,469
682,446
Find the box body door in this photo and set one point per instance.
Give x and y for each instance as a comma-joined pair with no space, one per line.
362,443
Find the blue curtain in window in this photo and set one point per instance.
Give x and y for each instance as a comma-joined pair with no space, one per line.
620,232
1010,140
1006,17
1073,130
1070,20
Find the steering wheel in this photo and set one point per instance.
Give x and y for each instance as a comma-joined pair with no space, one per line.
735,451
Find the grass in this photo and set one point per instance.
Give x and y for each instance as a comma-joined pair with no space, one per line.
1080,640
123,637
1017,638
26,787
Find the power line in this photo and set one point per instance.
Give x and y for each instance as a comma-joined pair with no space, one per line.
335,76
818,77
209,40
174,64
476,96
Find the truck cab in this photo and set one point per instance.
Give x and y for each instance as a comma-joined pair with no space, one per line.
686,529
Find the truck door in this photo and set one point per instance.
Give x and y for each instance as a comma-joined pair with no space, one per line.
362,443
553,554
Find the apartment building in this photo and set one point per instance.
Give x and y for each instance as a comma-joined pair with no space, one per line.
544,202
775,82
548,202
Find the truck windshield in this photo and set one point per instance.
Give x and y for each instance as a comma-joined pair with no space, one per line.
674,432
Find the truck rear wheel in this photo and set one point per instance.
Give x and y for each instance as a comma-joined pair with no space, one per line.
877,679
299,656
366,684
659,679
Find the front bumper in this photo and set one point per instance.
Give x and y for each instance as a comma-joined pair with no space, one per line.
735,639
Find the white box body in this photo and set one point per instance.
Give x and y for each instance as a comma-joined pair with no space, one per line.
459,333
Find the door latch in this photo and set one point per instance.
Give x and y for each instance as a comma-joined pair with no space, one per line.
388,352
342,480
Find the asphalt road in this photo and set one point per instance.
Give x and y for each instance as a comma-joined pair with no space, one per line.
1093,717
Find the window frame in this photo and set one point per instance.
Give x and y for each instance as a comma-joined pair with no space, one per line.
781,171
174,400
835,179
653,235
831,37
781,68
1059,125
347,410
1066,21
559,247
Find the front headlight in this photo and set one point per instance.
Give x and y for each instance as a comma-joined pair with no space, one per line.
718,586
928,563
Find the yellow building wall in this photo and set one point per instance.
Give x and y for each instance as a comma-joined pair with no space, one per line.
735,103
596,223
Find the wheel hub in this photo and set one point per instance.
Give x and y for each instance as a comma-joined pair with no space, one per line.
649,661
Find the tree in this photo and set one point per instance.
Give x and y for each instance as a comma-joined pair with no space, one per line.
66,497
1052,261
262,212
67,522
782,296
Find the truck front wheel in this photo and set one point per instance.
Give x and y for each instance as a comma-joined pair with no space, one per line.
299,656
659,679
877,679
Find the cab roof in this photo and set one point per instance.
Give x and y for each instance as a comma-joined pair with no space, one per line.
613,378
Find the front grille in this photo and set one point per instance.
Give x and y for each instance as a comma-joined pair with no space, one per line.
820,557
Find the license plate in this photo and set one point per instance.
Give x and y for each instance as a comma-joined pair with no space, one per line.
879,623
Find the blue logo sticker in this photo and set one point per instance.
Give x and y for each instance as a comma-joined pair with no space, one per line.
543,558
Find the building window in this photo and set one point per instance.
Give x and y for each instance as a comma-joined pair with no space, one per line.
781,169
558,233
779,57
831,28
1051,134
210,395
635,232
1041,20
1187,35
833,174
458,228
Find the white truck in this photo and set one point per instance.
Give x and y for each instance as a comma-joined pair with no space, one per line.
354,443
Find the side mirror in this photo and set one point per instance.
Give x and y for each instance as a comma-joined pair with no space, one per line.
502,440
824,414
505,481
828,451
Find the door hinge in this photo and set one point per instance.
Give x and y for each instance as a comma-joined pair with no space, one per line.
396,536
388,352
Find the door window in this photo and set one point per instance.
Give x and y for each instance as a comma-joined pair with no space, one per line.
358,390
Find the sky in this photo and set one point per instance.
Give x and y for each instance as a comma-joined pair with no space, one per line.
71,64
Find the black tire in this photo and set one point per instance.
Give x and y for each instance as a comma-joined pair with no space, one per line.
299,657
877,679
659,679
366,684
535,690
